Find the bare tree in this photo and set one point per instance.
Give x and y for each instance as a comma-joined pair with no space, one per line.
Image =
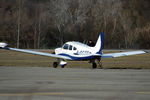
19,16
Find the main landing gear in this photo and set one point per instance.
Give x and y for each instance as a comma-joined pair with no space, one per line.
96,63
55,64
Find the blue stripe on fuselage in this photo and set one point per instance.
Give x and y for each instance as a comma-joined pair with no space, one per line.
76,58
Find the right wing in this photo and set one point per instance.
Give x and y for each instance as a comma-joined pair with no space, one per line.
4,46
40,53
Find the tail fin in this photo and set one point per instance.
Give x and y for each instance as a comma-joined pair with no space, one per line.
99,44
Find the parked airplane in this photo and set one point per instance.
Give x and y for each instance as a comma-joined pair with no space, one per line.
77,51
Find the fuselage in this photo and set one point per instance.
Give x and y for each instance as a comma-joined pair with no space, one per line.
76,50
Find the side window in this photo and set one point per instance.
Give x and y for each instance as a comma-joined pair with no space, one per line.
65,46
70,47
74,48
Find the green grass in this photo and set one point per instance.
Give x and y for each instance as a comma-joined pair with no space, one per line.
12,58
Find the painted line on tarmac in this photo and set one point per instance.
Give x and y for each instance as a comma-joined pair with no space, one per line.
143,93
31,94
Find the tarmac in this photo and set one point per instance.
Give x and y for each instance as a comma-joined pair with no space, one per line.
45,83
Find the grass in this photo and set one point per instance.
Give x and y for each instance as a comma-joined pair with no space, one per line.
12,58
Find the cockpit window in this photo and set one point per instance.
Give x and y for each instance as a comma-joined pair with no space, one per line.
70,47
65,46
74,48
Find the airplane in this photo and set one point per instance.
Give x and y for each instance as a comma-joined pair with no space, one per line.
77,51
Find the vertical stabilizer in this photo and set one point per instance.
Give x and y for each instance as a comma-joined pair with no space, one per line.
99,44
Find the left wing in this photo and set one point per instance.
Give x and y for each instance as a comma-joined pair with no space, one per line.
120,54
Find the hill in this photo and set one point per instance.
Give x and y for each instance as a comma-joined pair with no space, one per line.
50,23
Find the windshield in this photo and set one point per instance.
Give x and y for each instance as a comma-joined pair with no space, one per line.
68,47
65,46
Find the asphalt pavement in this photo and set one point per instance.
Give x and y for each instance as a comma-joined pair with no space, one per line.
44,83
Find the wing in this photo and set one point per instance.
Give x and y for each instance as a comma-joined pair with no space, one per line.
120,54
39,53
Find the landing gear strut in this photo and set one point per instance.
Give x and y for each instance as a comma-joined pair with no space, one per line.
99,63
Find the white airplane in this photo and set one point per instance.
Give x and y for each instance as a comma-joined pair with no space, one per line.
77,51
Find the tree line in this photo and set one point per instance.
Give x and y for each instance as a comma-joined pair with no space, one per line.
50,23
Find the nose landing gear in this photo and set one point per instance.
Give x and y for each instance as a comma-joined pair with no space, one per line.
61,62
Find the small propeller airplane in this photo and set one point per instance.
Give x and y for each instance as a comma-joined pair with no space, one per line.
77,51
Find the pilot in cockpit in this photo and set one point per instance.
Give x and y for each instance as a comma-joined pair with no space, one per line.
91,43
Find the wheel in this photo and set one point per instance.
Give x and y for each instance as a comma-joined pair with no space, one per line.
62,66
55,64
94,65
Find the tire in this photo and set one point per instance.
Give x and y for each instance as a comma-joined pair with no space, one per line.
63,66
55,64
94,65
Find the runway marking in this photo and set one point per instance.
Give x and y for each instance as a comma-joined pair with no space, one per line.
143,93
31,94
